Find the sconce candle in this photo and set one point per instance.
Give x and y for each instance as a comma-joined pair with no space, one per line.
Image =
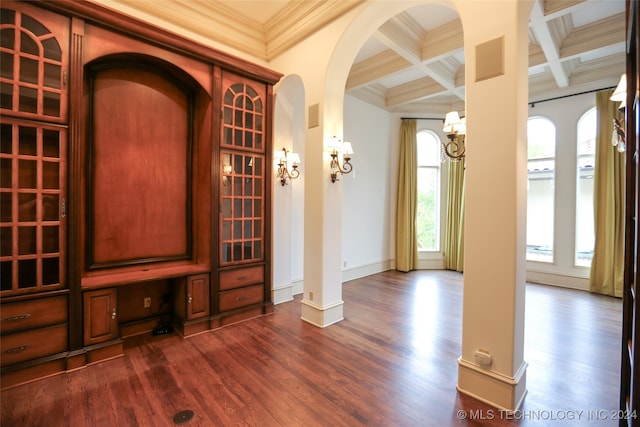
453,127
336,148
285,160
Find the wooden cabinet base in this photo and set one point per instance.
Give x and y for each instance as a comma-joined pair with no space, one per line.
31,371
228,318
192,327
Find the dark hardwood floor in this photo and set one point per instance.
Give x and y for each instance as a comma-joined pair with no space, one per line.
391,362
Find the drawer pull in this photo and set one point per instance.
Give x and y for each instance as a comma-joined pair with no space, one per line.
242,298
14,318
241,278
16,349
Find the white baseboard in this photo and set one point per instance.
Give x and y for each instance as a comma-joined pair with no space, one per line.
322,316
496,389
564,281
298,286
282,293
366,270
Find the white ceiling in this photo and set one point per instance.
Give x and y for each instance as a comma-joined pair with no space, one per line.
414,62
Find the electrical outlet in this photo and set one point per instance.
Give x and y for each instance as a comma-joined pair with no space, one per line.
311,296
147,302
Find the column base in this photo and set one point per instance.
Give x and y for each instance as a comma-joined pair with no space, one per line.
493,388
322,316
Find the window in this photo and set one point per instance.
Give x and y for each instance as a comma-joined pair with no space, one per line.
428,217
541,136
586,140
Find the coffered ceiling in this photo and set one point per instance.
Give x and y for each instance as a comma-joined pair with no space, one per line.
414,62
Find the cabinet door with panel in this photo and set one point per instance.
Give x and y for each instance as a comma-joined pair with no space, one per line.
197,296
100,315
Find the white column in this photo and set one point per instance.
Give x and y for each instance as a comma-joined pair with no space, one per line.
322,303
496,180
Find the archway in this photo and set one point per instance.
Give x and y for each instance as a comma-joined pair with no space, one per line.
288,200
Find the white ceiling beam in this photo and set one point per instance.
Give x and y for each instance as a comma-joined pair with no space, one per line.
548,45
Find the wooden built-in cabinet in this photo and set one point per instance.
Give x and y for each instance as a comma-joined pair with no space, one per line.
135,187
630,357
34,292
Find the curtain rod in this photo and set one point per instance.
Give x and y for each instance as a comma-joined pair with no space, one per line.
532,104
421,118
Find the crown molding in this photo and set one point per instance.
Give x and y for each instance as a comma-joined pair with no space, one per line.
299,20
220,23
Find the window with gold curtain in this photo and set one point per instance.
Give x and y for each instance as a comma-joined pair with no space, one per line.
406,206
607,265
454,228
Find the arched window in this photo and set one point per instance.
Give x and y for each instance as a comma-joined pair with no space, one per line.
541,136
428,217
586,151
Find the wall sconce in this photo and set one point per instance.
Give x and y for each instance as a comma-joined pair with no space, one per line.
618,138
336,148
284,160
453,127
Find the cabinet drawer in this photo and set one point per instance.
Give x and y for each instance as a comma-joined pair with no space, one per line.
23,346
23,315
241,297
231,279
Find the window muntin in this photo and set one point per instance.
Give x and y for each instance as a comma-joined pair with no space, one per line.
586,158
541,149
428,215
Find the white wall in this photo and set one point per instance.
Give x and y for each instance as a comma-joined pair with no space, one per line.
367,239
288,200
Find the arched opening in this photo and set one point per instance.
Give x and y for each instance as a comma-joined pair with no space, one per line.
288,200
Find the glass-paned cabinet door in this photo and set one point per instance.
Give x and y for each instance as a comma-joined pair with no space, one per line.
32,207
33,62
241,207
243,115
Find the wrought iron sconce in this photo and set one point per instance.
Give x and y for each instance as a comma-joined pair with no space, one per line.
620,95
286,158
337,148
454,127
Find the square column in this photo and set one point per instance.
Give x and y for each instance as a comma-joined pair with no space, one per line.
491,367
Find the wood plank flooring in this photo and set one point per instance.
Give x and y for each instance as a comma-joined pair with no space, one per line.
391,362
